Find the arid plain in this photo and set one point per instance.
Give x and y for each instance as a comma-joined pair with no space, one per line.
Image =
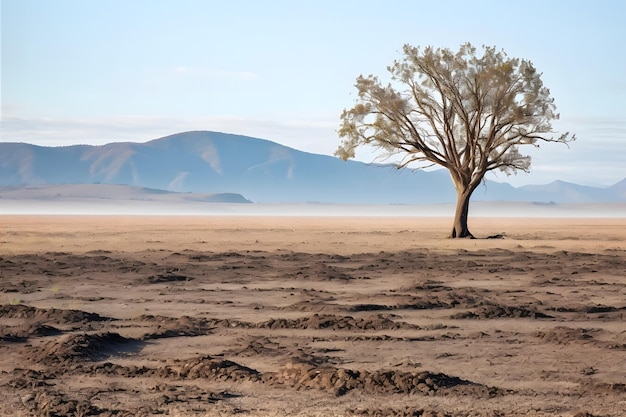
311,316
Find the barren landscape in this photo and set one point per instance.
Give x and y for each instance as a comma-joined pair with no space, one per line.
311,316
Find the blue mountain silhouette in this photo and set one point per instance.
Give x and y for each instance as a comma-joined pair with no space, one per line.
260,170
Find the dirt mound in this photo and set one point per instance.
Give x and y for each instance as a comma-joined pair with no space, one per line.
52,404
75,347
43,330
500,311
306,374
198,326
181,326
23,332
257,346
58,316
436,297
196,368
62,264
564,335
214,368
334,322
339,381
29,379
368,307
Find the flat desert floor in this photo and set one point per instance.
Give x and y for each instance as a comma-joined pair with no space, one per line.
311,316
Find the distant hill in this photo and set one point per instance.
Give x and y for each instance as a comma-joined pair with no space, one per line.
113,199
259,170
619,190
87,192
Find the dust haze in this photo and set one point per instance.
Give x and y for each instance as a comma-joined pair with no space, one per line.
311,209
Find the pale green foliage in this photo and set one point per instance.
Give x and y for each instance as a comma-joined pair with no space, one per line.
465,112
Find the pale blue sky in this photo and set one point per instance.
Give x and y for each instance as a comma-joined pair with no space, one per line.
98,71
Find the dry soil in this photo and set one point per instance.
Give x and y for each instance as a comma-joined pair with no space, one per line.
311,316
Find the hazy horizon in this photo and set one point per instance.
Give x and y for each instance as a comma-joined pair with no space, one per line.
150,208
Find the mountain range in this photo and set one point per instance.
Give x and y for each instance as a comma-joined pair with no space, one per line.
214,163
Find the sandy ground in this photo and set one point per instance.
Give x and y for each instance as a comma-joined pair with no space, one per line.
311,316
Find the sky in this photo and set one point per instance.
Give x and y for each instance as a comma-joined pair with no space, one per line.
100,71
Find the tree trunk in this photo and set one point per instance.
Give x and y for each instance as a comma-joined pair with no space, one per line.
459,228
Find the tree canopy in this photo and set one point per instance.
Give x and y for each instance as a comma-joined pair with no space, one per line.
466,112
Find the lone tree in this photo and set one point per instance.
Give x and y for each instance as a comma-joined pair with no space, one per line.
465,112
